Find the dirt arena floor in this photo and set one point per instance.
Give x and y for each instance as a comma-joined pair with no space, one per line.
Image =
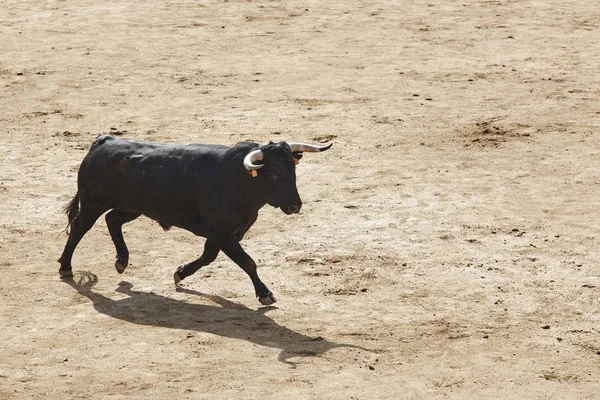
449,242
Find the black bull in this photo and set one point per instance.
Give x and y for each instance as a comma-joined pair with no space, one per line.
212,191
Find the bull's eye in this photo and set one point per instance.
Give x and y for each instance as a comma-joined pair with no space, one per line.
273,177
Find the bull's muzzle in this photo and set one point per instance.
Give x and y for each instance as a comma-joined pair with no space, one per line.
292,209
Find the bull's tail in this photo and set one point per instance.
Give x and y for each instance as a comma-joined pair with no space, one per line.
72,211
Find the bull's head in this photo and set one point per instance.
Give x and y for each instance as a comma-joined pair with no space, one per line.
278,173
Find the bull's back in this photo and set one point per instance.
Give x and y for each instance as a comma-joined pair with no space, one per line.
150,178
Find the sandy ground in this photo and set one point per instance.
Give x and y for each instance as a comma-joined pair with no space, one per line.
449,242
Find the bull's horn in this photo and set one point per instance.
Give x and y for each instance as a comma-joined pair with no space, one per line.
297,147
254,155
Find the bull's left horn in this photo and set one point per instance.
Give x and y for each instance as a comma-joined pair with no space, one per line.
298,147
255,155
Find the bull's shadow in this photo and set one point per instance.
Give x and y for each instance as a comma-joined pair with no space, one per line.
227,319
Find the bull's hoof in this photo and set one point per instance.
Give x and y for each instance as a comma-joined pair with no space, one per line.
268,300
177,278
65,274
120,267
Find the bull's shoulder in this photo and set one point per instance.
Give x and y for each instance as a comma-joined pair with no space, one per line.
239,149
244,146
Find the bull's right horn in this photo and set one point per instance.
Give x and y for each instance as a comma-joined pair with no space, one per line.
298,147
255,155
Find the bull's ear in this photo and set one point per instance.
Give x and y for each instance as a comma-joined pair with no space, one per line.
297,156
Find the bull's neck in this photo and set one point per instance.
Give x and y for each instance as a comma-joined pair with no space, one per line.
250,195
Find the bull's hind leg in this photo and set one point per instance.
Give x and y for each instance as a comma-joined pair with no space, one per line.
211,251
115,220
80,225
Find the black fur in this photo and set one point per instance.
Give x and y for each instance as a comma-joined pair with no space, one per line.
204,189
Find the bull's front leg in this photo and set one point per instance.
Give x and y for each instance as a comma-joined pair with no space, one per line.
231,247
